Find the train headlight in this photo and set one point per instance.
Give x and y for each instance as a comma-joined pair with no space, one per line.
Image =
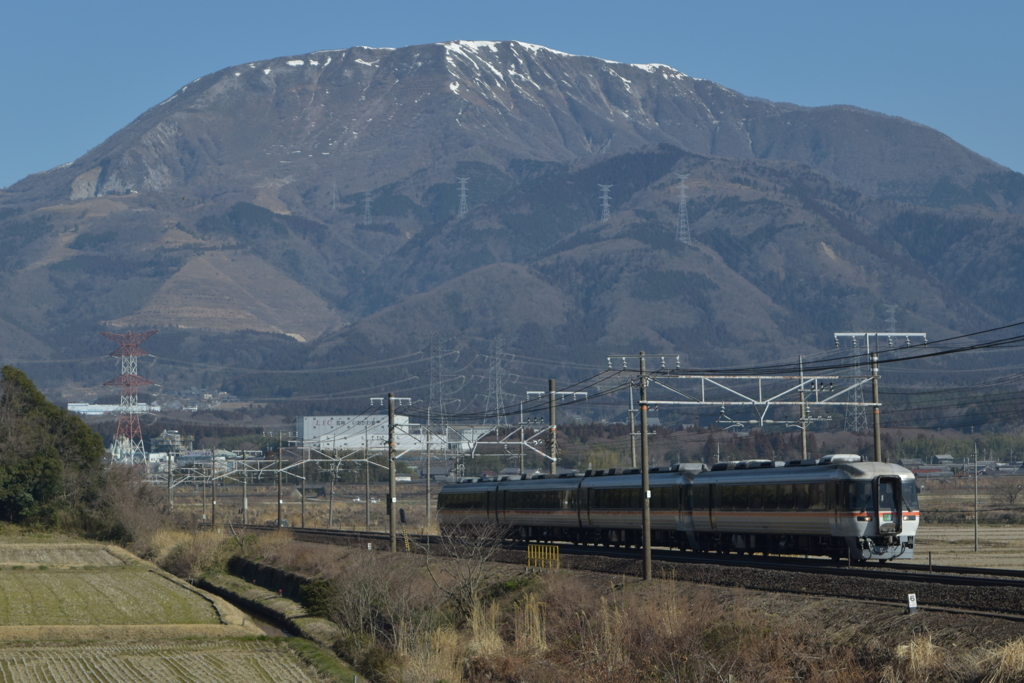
863,518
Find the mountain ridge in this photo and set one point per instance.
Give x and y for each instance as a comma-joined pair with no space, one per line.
236,207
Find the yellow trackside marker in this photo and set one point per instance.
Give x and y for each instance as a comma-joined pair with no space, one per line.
543,556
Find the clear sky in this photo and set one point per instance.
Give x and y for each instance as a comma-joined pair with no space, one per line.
75,72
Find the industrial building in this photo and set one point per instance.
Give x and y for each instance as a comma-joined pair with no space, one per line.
358,432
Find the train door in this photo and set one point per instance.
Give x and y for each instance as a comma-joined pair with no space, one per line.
889,505
836,491
712,500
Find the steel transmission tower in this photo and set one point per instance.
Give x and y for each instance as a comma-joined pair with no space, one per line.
856,416
128,437
683,225
463,205
367,217
441,378
497,375
606,212
890,320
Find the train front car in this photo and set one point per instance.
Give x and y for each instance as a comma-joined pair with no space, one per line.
837,506
877,511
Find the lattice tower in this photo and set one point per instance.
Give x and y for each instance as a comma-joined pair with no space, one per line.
856,416
890,320
606,211
128,437
367,217
463,204
497,375
442,379
683,224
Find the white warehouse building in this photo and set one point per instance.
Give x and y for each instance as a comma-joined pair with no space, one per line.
355,432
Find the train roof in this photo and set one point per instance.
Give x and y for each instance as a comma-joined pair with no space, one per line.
802,470
617,476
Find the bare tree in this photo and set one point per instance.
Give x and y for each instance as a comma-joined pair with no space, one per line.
1007,489
471,547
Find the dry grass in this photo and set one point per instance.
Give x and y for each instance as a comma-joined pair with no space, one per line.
431,657
921,661
485,639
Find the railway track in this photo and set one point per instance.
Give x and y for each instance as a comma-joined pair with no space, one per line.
962,589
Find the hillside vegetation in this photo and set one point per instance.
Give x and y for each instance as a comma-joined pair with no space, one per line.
52,472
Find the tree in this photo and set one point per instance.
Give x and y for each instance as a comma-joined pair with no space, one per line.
50,460
1007,489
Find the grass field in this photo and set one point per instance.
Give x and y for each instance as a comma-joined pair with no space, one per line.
57,555
228,661
999,546
121,595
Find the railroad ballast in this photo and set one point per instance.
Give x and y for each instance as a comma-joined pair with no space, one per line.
837,506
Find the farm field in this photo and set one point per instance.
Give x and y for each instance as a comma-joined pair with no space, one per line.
229,661
107,596
73,611
1000,546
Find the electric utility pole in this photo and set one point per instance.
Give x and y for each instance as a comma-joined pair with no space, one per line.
645,462
645,471
553,426
392,484
873,354
392,463
280,475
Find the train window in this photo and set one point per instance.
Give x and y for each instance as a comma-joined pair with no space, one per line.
687,497
858,496
786,496
701,497
910,495
665,498
886,499
817,497
770,497
802,496
739,500
754,497
727,497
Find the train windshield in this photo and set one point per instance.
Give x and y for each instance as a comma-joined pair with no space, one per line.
910,495
886,496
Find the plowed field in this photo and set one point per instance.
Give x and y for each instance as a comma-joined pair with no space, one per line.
198,662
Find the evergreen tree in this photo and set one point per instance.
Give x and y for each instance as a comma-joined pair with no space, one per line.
50,460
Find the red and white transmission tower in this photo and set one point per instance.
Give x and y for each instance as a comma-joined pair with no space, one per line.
128,438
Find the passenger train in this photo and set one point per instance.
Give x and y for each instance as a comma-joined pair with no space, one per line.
837,506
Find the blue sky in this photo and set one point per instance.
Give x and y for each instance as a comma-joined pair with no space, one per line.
74,72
